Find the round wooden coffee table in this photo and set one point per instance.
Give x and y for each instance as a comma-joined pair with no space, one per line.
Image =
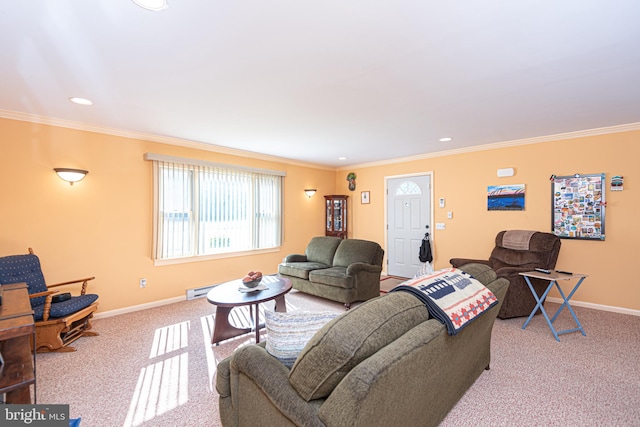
226,297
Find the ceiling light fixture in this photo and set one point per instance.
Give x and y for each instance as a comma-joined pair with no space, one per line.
154,5
342,158
71,175
446,139
80,101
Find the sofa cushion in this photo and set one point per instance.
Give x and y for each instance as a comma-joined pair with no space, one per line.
300,269
354,336
288,333
354,250
322,249
334,276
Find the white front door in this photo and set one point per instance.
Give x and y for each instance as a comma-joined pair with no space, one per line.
408,215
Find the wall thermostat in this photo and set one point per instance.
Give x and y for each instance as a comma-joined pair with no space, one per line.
505,172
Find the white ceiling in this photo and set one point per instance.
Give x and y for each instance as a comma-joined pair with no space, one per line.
313,80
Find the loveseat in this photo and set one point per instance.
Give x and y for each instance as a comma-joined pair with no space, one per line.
383,363
343,270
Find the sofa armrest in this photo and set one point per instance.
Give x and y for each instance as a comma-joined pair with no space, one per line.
357,267
270,376
295,258
499,288
223,375
458,262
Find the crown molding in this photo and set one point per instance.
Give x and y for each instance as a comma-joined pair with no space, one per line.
33,118
492,146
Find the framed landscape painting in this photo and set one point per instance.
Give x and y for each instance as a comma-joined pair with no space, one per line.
505,197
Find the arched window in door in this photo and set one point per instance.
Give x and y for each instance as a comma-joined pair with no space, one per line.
407,188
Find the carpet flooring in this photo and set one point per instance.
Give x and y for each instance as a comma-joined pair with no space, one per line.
389,282
157,368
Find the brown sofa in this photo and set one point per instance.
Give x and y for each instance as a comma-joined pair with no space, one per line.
343,270
383,363
517,251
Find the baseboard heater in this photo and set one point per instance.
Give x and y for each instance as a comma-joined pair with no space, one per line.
198,292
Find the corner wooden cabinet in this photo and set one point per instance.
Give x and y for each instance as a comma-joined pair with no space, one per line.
336,216
17,329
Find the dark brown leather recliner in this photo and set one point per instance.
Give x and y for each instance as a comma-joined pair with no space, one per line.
518,251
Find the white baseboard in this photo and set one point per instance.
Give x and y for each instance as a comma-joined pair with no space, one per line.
153,304
597,306
138,307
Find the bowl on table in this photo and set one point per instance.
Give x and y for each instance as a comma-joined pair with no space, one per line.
252,279
251,283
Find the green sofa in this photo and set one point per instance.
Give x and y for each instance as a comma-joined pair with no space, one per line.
343,270
383,363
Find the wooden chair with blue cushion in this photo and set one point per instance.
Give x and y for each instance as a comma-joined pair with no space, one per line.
60,318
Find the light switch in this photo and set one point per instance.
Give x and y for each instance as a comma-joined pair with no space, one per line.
449,214
440,226
441,202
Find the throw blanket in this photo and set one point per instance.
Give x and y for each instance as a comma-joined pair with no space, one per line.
517,239
452,296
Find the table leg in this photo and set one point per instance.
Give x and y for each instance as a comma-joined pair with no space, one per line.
257,324
566,304
566,300
280,304
539,305
222,329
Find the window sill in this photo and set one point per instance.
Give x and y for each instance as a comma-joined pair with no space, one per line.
185,260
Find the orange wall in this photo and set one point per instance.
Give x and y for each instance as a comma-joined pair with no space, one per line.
102,225
462,179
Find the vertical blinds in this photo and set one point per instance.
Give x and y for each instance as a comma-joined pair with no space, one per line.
206,208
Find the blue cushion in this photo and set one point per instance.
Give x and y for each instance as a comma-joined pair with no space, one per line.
64,308
24,268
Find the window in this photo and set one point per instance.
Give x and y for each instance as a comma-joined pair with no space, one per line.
204,208
408,187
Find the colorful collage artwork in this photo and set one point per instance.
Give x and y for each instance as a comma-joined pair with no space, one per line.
578,206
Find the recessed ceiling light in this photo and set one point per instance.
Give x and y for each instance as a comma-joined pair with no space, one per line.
342,158
154,5
80,101
446,139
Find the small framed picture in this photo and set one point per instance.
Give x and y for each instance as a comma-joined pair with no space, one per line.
364,197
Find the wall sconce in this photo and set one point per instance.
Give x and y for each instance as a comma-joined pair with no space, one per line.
71,175
310,192
505,172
